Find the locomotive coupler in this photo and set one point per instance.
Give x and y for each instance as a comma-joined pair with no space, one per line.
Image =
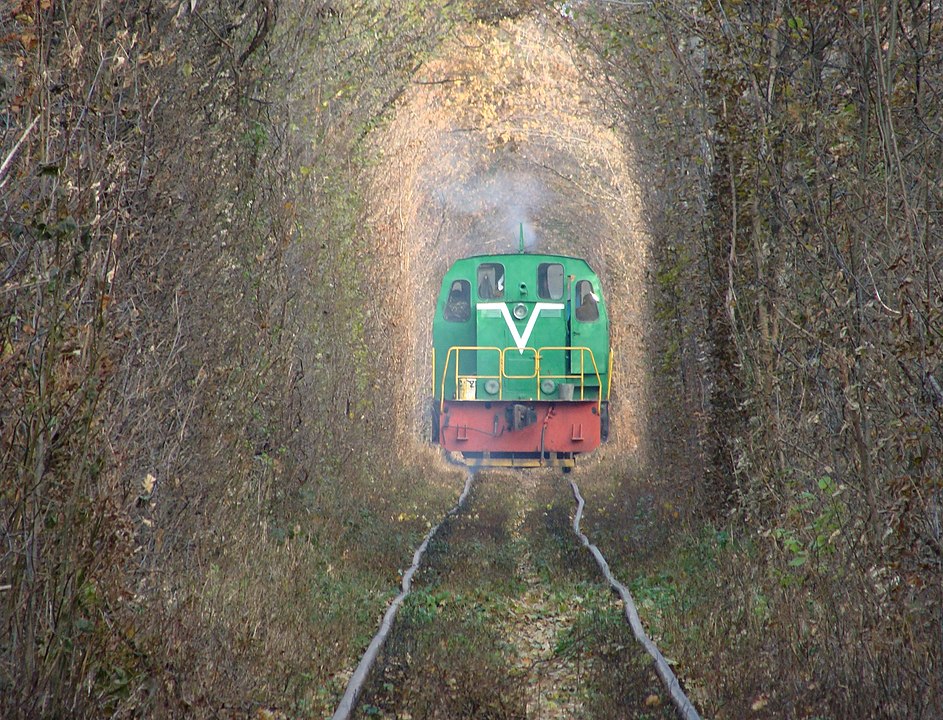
520,416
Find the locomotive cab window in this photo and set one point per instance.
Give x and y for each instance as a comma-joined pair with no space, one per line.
490,281
458,305
587,302
550,281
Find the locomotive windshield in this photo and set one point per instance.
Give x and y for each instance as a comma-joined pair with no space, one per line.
587,308
490,281
458,305
550,281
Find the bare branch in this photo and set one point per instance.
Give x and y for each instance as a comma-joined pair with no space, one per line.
9,158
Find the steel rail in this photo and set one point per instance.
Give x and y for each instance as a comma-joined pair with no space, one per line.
680,700
357,680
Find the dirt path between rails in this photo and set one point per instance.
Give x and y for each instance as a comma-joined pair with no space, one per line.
536,619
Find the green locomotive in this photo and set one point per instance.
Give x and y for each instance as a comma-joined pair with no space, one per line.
522,365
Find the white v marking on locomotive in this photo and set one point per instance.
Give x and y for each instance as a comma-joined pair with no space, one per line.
520,340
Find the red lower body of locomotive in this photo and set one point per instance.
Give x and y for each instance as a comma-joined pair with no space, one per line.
521,433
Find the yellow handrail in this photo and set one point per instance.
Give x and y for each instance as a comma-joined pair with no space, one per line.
609,378
502,375
459,376
520,377
581,376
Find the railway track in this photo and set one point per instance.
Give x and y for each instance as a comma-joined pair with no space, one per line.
497,634
357,680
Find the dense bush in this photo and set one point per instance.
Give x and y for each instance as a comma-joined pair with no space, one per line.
798,256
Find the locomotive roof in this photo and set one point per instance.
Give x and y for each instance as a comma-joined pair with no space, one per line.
522,256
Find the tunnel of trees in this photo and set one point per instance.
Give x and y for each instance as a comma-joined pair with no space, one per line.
212,372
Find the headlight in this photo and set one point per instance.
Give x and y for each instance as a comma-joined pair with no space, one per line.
491,387
520,311
547,386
